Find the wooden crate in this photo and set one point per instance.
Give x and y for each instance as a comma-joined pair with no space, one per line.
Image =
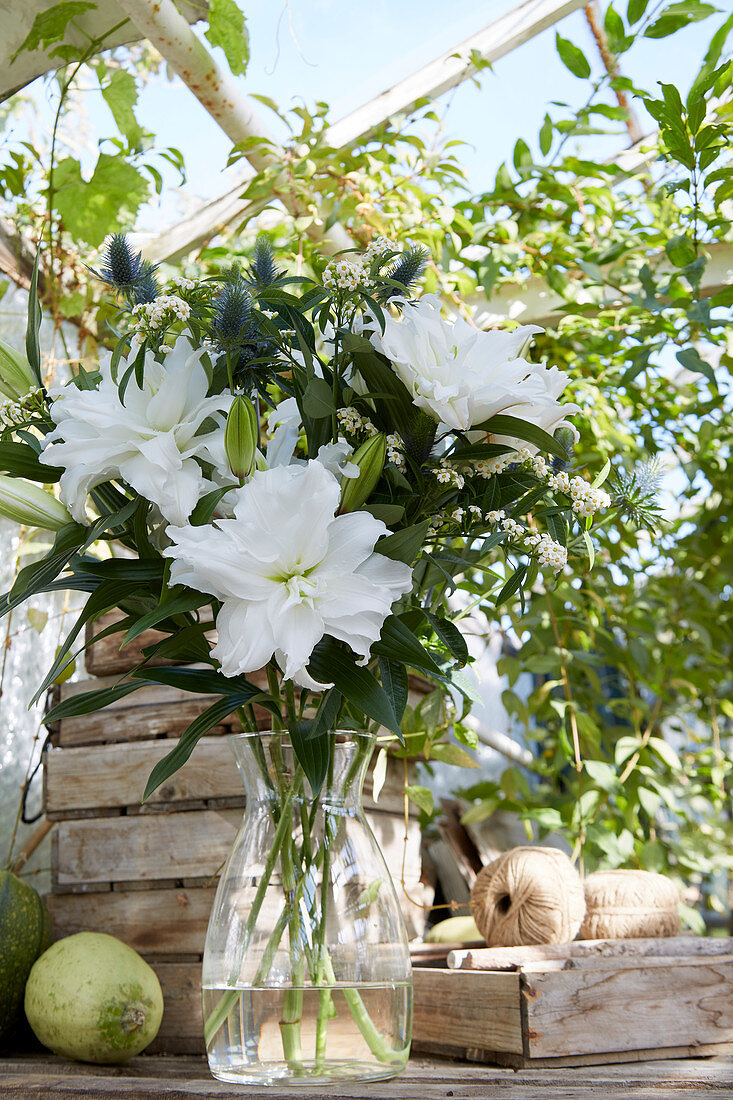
147,874
580,1004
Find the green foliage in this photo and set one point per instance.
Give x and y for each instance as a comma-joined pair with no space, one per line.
228,29
90,209
49,26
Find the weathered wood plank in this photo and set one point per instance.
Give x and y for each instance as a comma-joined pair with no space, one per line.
460,1014
100,777
581,1011
511,958
186,845
176,1078
156,922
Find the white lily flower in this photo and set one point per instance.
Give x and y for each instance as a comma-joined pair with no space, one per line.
461,375
152,441
288,570
285,424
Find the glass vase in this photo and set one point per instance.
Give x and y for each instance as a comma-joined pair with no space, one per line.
306,972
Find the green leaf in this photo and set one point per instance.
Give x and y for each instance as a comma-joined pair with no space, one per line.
49,26
404,545
422,797
188,740
202,681
318,399
120,95
360,688
88,702
665,752
572,57
677,16
171,605
33,578
602,774
512,585
312,750
590,548
691,359
546,133
20,460
33,327
450,636
512,426
396,683
228,29
397,642
635,10
90,210
452,754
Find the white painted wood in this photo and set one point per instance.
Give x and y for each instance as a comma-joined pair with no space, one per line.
453,67
534,302
16,19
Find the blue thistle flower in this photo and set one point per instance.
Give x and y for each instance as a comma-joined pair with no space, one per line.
406,271
145,288
232,317
264,271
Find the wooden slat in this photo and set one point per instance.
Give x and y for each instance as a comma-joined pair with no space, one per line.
456,1014
181,1029
184,846
585,1010
111,776
154,922
512,958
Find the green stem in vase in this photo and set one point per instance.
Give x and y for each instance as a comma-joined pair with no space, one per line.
228,1000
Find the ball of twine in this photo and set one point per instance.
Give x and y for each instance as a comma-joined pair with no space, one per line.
622,905
528,895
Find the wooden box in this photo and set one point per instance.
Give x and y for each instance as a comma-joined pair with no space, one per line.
147,874
580,1004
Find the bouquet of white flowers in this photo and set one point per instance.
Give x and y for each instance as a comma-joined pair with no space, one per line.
288,474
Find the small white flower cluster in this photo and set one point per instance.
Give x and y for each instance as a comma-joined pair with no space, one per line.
379,246
15,413
183,283
348,273
548,551
447,475
353,422
487,467
395,451
160,313
587,499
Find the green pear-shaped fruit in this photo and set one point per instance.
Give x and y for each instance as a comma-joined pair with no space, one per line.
25,931
92,998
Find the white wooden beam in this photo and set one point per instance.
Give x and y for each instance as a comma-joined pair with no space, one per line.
163,25
535,303
454,66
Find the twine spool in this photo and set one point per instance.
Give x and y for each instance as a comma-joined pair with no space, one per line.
528,895
622,905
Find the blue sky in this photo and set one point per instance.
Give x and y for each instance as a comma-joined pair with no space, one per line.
345,53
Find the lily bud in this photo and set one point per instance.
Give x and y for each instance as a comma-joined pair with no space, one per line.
240,437
370,458
16,376
26,503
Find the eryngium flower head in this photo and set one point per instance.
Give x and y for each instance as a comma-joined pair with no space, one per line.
634,494
264,271
232,317
120,266
405,272
146,288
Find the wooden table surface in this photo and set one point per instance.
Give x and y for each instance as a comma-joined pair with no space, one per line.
180,1078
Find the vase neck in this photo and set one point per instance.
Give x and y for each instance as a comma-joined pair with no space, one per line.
270,768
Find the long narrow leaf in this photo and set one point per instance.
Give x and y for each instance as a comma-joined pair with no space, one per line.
88,702
512,426
188,740
359,687
32,345
398,643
